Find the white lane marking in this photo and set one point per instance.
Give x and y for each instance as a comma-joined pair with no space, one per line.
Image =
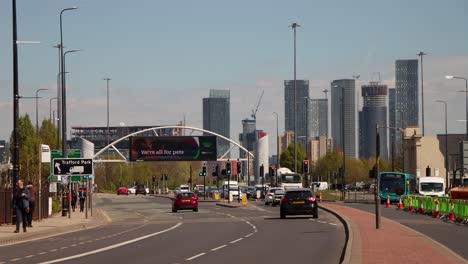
53,250
112,246
312,220
2,262
220,247
42,253
30,256
333,224
16,259
249,235
237,240
63,247
74,245
322,222
196,256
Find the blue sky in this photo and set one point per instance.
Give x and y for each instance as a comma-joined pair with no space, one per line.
164,56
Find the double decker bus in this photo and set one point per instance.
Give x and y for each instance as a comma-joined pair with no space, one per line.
395,184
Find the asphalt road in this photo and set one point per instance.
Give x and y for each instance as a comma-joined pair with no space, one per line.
144,230
449,234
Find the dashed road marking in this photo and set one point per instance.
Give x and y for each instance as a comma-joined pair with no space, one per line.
53,250
16,259
63,247
42,253
333,224
30,256
322,222
196,256
220,247
235,241
249,235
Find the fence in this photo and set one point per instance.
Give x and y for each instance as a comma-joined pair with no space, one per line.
6,203
460,207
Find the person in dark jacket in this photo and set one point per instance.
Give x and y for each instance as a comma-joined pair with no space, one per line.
32,202
21,205
82,197
73,202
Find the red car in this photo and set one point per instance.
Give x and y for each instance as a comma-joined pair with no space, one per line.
185,201
122,190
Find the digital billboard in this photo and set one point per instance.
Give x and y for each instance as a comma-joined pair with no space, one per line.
187,148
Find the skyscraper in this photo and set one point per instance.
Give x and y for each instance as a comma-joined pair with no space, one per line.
302,91
344,90
318,117
374,111
407,100
392,121
216,116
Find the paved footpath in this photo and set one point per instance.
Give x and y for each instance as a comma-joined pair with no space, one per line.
52,226
392,243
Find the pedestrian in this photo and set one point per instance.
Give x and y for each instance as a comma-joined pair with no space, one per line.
82,197
32,202
73,201
21,205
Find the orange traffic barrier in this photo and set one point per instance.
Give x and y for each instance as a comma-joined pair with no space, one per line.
436,210
452,216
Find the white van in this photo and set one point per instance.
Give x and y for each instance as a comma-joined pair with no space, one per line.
319,186
431,186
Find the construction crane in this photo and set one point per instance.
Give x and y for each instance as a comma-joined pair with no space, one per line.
254,112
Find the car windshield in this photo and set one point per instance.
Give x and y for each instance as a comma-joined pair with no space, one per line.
279,192
432,187
290,178
298,195
185,195
274,190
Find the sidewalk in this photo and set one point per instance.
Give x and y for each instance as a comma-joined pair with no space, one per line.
392,243
52,226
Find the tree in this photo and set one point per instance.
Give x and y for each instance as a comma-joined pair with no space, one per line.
287,157
28,149
48,134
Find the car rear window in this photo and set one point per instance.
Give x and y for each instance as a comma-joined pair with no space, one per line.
298,194
185,195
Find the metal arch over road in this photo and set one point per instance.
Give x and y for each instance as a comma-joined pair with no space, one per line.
154,129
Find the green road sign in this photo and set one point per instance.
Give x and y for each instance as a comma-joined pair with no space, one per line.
57,154
76,178
53,178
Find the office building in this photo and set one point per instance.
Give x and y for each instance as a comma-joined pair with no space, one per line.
407,99
216,117
3,151
302,93
317,149
374,112
318,117
392,133
248,139
285,140
344,90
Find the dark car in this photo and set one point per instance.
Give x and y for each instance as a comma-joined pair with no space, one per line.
299,202
140,189
185,201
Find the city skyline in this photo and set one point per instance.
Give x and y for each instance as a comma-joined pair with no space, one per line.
156,86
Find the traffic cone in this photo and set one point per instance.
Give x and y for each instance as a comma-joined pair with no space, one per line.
436,211
452,216
320,197
410,207
400,205
421,206
387,205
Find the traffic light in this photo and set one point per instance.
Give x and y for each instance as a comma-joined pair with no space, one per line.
228,168
239,167
305,166
204,170
272,171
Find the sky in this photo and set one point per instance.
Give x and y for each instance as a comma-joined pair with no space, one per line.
164,56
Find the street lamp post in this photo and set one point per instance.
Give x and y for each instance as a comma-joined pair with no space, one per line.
37,109
294,26
108,130
15,101
343,168
64,105
277,148
50,109
62,110
307,136
421,54
446,146
449,77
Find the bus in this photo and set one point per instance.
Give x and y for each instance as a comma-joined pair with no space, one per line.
395,184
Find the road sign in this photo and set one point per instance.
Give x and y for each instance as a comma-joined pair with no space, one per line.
73,166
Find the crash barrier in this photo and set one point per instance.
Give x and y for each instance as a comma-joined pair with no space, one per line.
445,206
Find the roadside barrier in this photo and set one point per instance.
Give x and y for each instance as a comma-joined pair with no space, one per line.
400,204
452,216
438,207
387,205
421,206
436,211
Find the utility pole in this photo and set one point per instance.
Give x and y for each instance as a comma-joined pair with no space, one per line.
377,169
421,54
294,26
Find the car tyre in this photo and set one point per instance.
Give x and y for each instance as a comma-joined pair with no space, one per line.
282,215
195,209
174,210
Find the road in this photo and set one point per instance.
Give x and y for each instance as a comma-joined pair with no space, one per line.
448,234
144,230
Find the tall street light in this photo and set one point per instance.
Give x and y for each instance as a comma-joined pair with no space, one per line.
64,106
277,145
294,26
37,109
50,108
421,54
446,146
449,77
108,130
59,91
62,97
307,99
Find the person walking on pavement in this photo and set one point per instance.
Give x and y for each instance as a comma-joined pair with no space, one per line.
32,202
21,205
74,198
82,197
